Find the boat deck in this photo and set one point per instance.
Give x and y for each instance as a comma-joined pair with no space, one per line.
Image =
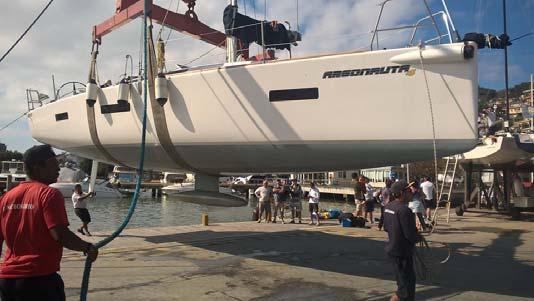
491,259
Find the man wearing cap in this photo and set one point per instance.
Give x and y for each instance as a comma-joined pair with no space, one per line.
399,223
34,227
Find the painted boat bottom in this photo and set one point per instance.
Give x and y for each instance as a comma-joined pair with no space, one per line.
303,156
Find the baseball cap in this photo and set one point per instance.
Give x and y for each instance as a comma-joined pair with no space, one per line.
37,154
399,186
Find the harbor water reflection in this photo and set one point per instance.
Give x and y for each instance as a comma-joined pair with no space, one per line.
108,214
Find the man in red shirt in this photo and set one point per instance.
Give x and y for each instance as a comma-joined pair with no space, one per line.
34,227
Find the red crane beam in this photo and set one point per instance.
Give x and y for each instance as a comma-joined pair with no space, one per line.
127,10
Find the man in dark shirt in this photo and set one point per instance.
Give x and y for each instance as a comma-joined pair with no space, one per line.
402,232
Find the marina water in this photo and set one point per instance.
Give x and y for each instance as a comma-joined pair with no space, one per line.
108,214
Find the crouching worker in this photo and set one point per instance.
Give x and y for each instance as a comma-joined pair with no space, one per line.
399,223
34,227
79,201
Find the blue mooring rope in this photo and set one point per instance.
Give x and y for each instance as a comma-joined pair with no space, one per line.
102,243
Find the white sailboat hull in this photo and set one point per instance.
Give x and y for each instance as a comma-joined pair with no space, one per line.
225,120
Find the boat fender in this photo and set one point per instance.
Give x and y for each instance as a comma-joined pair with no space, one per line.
162,90
469,51
124,91
92,93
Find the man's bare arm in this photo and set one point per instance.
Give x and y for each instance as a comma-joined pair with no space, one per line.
71,241
86,196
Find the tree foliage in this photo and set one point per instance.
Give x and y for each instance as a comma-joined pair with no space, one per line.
10,155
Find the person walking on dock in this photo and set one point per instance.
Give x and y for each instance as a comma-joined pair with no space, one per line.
280,197
416,205
79,201
429,201
399,223
384,196
295,192
313,203
359,195
264,194
34,228
369,201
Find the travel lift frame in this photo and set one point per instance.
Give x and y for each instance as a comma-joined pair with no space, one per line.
188,23
206,185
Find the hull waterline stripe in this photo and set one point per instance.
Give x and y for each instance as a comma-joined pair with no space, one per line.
62,116
94,135
294,94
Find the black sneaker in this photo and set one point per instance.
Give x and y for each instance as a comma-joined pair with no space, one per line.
81,232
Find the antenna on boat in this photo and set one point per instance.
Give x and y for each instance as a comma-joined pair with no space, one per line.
531,101
231,41
507,121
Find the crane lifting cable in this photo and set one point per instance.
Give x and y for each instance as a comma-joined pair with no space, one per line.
12,121
26,31
140,168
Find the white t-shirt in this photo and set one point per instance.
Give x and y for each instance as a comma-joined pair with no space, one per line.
313,196
491,118
416,205
369,195
77,202
428,189
263,194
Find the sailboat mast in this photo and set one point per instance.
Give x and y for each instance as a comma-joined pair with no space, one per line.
231,41
507,122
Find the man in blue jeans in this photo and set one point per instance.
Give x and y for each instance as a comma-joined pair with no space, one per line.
399,223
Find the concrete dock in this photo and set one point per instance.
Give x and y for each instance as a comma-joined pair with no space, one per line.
492,258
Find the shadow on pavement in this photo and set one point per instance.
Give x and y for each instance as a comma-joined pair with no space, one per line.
491,269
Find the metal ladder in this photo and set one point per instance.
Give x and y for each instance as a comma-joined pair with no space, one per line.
446,185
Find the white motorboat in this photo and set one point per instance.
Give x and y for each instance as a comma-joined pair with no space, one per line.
525,142
103,190
13,168
496,150
178,188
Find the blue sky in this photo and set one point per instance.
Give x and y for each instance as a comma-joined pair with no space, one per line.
59,44
486,16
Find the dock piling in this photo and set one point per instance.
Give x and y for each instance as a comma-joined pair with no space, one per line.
204,219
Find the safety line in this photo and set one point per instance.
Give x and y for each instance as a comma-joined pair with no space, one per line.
104,242
13,121
26,31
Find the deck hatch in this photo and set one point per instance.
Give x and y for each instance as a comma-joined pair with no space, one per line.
121,106
62,116
294,94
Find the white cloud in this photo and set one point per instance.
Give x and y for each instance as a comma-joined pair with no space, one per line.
60,42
